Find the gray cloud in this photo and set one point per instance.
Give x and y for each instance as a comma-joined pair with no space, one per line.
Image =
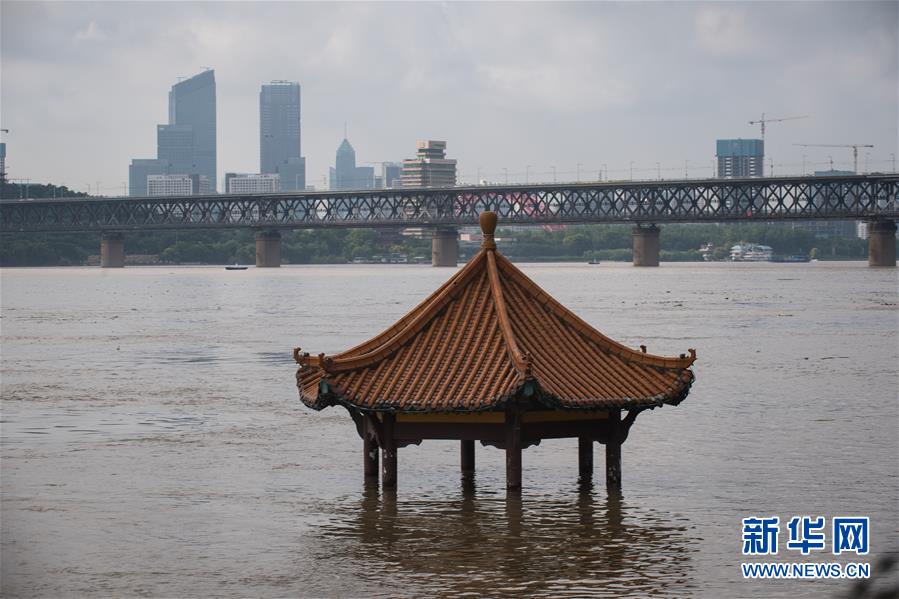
506,84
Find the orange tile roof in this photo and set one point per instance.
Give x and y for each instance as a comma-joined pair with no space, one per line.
485,336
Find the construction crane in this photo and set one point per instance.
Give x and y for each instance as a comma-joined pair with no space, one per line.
763,120
854,147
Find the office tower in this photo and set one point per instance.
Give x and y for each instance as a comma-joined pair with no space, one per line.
139,170
2,162
279,134
346,175
252,183
740,157
192,113
175,148
430,167
391,174
186,144
178,185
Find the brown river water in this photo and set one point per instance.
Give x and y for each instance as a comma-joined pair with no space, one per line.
153,444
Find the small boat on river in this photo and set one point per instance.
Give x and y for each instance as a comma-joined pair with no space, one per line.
235,267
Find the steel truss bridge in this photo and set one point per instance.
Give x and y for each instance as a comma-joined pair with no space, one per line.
859,197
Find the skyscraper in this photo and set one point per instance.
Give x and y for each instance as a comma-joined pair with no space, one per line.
186,145
740,157
346,175
175,147
391,173
279,134
192,110
430,167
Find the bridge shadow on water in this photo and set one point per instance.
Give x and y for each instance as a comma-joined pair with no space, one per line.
570,544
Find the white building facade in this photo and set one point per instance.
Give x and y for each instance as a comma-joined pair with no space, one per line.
252,183
178,185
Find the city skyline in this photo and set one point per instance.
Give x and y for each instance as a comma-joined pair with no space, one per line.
567,108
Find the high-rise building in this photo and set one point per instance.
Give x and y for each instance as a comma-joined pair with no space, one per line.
430,167
192,105
252,183
279,134
178,185
139,170
186,144
2,162
346,175
391,174
175,147
740,157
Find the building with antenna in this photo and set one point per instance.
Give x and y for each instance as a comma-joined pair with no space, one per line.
345,174
740,157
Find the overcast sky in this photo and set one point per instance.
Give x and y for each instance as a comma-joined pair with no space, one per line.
505,84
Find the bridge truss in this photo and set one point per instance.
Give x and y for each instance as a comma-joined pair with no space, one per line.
862,197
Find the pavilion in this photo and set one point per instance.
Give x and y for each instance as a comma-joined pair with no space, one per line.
491,357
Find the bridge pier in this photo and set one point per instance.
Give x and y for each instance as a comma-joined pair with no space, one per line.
445,247
646,245
268,249
112,250
881,243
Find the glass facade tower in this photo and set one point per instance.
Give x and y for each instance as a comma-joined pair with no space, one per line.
191,114
279,134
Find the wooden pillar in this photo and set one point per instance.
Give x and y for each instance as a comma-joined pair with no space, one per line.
370,457
585,458
513,449
388,474
467,455
613,451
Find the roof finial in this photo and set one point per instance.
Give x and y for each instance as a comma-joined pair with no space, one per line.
488,228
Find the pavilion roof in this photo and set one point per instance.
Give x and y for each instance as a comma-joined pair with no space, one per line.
486,336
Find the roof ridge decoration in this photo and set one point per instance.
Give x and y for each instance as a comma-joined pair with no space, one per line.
482,338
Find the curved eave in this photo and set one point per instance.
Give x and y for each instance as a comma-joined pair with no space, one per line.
327,394
585,329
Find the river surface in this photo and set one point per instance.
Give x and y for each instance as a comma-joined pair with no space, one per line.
153,443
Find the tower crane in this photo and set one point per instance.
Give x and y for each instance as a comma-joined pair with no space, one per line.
854,147
763,120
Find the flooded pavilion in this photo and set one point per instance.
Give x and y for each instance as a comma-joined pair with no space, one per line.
491,357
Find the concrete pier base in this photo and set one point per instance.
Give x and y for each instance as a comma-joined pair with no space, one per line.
112,250
646,245
268,249
882,243
445,247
